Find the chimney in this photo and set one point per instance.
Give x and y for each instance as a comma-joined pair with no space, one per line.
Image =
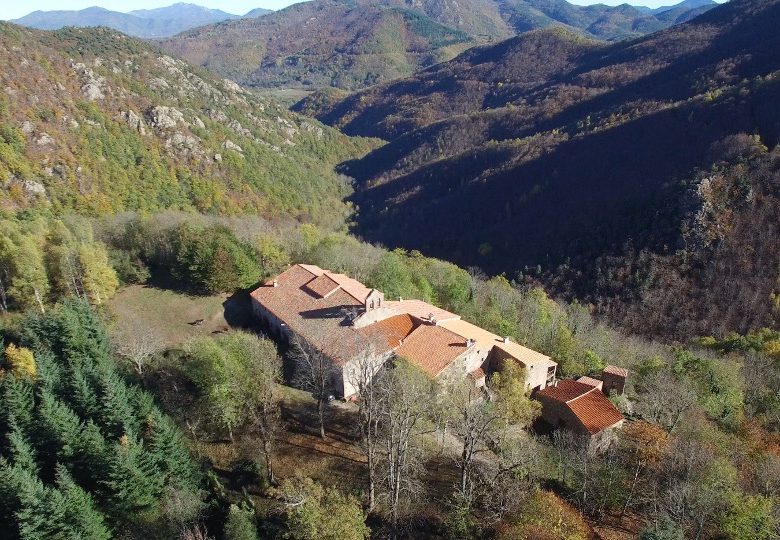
469,342
276,283
506,339
400,298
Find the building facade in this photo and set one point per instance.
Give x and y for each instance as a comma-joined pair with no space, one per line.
351,325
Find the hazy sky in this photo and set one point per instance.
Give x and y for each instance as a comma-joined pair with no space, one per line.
9,9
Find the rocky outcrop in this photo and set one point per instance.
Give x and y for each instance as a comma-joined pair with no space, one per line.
162,117
134,121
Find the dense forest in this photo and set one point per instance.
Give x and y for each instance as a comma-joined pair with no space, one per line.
350,45
709,408
618,204
96,122
554,165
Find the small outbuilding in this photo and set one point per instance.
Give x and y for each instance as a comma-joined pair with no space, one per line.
581,408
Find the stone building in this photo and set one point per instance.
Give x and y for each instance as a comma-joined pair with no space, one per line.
350,324
581,408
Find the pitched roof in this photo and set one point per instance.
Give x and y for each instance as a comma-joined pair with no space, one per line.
589,404
393,329
322,285
421,310
477,374
565,390
614,370
431,348
353,287
322,321
487,340
595,411
591,382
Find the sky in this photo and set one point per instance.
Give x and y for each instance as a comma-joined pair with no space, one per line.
10,9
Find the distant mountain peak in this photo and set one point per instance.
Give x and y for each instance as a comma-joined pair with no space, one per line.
146,23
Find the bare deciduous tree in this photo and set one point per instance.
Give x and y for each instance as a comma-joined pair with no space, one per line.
138,344
405,395
363,378
473,419
314,372
665,399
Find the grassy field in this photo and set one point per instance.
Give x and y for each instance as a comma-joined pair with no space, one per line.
175,316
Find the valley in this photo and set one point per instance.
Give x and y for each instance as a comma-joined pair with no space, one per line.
365,269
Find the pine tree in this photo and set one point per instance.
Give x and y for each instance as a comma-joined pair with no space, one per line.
81,517
22,453
17,405
41,513
116,416
82,395
10,482
133,483
58,432
91,462
240,524
171,456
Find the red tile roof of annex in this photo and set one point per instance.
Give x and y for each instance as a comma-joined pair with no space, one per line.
589,404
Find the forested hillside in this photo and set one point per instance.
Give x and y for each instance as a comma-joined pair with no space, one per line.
352,45
555,163
322,43
96,122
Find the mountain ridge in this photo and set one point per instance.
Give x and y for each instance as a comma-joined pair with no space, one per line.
572,169
334,43
146,23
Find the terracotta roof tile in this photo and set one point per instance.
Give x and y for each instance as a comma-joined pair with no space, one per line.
392,330
565,390
595,411
614,370
487,340
352,286
323,322
322,285
431,348
421,310
588,404
591,382
477,374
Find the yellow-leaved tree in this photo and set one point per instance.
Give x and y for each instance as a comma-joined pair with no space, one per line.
20,361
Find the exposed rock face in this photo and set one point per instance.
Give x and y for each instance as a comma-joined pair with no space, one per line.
33,188
236,126
134,121
162,117
94,86
181,142
230,145
92,92
44,139
311,128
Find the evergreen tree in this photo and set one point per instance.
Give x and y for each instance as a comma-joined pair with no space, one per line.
81,517
170,454
133,484
240,524
59,430
17,405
